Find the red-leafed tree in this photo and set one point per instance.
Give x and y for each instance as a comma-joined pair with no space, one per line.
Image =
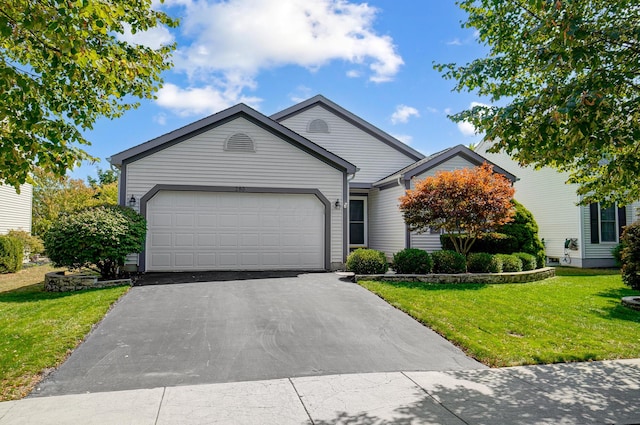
465,202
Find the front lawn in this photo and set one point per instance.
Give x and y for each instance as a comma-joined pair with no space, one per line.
575,316
39,329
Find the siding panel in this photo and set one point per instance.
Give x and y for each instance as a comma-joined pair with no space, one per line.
374,158
387,230
15,210
203,161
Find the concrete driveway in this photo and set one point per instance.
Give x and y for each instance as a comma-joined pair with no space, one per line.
213,332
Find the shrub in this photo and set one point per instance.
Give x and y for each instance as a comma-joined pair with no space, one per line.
528,260
447,261
367,261
491,243
617,254
510,263
630,255
11,251
524,230
32,244
98,237
412,261
483,262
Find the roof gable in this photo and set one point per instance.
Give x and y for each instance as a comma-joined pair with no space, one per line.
217,119
353,119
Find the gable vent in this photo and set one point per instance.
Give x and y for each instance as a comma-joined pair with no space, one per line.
318,126
240,142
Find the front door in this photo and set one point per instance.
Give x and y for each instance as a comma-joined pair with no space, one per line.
358,221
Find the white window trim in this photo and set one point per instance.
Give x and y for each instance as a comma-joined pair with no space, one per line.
366,221
616,226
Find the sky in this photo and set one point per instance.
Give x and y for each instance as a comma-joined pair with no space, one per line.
373,58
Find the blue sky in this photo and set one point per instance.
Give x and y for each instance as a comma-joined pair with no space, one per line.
374,59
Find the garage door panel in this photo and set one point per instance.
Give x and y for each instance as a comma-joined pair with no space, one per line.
243,231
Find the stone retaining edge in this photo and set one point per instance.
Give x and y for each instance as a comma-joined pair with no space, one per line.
62,282
515,277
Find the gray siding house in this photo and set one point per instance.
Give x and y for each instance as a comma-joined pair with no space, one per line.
297,190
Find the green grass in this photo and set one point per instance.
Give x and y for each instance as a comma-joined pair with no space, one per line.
576,316
39,329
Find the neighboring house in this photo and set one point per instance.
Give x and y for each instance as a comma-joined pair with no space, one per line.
15,209
589,232
297,190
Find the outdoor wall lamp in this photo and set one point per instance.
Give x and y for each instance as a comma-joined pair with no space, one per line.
337,204
132,201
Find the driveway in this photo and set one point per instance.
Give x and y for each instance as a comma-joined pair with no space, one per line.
242,330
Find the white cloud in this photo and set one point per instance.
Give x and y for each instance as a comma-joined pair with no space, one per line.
404,138
200,101
455,42
224,45
447,111
302,93
403,113
432,110
465,127
153,38
160,118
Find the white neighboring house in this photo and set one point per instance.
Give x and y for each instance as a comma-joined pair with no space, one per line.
594,230
297,190
15,209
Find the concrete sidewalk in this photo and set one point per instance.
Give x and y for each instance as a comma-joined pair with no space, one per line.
575,393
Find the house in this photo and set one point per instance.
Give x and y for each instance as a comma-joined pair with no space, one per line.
573,235
15,209
296,190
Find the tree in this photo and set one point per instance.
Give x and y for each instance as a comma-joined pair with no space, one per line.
100,237
465,201
62,66
524,229
568,74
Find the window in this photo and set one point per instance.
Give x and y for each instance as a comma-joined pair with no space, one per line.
358,221
318,126
240,142
606,223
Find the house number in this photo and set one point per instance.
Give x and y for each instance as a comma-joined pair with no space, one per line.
241,189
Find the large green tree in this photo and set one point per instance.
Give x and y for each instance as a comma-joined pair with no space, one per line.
568,75
63,65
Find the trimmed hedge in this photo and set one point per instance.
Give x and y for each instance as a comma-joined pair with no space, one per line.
491,243
11,254
367,261
528,260
524,230
510,263
483,262
447,261
630,255
412,261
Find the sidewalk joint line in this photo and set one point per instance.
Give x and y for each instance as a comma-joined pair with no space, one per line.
164,389
301,402
433,398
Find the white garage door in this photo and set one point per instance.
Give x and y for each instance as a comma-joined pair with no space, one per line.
234,231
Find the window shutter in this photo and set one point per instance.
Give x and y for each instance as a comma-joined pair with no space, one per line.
595,223
622,219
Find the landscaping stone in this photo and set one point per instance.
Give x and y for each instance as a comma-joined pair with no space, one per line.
631,302
62,282
515,277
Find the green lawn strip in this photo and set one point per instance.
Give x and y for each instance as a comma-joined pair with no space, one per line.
39,329
575,316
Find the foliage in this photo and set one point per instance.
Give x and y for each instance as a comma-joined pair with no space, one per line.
38,329
105,177
54,195
630,255
510,263
527,260
566,73
100,236
525,231
64,65
11,251
445,261
32,244
616,251
412,261
367,261
493,243
483,262
469,201
576,316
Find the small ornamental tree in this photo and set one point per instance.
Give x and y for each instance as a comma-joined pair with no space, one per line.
466,201
98,238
